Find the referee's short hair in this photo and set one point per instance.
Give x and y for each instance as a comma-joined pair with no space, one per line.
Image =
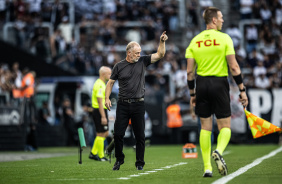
210,13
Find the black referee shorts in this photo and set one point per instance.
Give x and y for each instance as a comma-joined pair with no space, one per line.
97,121
212,97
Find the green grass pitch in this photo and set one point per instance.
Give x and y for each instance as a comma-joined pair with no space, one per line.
164,165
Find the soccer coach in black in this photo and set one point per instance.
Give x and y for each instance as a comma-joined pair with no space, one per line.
130,74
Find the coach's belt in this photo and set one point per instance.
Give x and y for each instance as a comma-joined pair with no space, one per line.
132,100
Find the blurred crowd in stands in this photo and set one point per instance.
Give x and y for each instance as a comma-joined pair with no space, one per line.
260,55
100,30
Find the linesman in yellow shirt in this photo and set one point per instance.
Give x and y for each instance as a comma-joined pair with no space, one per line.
100,114
212,52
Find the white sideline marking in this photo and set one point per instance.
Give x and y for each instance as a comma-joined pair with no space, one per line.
229,177
134,175
123,178
149,172
82,179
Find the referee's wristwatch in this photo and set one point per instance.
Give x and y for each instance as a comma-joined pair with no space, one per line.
242,90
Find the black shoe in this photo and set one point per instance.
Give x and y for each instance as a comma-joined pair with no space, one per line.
94,157
221,165
207,174
117,165
140,168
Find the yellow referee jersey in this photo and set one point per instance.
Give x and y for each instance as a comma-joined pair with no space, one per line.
98,91
209,49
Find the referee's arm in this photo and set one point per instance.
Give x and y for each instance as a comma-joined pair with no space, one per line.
191,72
236,73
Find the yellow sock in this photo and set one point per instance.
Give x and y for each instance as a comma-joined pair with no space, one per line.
223,139
205,144
101,147
95,146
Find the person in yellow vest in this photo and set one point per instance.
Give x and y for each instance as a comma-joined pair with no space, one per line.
213,52
174,121
100,114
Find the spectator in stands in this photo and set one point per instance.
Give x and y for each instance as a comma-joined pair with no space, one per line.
34,8
269,64
254,57
173,15
259,69
235,34
69,122
251,36
278,15
256,9
107,30
276,80
241,56
58,45
44,116
3,10
265,14
17,75
261,81
180,80
66,30
96,60
6,83
57,12
133,35
19,9
248,80
58,110
246,8
19,26
267,45
191,6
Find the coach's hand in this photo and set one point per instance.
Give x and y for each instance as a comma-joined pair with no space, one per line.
108,104
164,37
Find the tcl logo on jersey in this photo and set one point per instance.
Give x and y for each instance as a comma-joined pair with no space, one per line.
207,43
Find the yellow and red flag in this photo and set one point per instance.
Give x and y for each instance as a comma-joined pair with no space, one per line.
259,126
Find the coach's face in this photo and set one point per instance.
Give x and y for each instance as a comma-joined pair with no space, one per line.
219,21
135,53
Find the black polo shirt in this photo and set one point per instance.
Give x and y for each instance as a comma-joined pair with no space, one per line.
131,77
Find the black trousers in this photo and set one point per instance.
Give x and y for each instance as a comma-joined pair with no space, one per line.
136,112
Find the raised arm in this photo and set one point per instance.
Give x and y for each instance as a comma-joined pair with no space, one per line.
161,49
108,91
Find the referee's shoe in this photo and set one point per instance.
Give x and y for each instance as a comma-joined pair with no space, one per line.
221,165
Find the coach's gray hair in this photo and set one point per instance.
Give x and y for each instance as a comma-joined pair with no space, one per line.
130,45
